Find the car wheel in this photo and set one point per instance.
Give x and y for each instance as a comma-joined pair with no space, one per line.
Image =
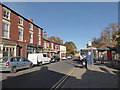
13,70
40,64
31,66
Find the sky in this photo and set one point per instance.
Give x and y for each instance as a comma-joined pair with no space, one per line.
78,22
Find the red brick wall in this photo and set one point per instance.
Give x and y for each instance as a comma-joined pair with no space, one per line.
13,27
26,31
0,22
14,31
42,38
35,35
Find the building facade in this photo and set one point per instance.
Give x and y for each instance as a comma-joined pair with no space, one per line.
52,47
18,35
62,51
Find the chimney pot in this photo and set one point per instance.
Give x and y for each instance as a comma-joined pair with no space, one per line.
31,20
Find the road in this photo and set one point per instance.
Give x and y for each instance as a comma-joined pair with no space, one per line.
46,76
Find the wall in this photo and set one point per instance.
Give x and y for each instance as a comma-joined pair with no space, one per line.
0,22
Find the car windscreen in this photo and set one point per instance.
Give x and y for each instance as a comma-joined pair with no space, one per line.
3,60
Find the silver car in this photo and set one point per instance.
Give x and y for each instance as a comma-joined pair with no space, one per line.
13,64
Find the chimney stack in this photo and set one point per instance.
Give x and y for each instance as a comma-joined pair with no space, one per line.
31,20
45,36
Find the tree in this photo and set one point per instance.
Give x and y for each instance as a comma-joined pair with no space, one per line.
108,37
116,38
70,48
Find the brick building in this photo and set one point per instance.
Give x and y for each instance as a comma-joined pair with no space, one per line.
18,35
53,47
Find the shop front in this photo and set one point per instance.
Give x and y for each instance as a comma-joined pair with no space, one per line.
33,49
7,48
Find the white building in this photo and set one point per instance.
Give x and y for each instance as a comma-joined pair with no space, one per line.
62,50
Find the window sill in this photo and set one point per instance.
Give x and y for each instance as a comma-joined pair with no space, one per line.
7,19
5,38
20,40
21,25
31,29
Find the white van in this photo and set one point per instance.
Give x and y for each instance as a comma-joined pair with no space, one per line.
39,58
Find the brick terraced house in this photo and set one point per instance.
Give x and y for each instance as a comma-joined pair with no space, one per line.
18,35
53,47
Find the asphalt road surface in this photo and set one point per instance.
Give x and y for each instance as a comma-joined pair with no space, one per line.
46,76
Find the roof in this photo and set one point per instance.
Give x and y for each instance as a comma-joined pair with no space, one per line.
52,41
20,15
106,48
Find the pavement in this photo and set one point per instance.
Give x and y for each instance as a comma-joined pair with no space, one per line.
97,76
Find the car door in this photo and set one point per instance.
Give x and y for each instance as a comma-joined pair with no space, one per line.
26,62
16,61
48,58
45,58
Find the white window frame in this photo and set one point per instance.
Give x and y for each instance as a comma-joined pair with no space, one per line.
39,39
45,45
31,41
18,33
31,26
20,20
5,21
7,11
39,31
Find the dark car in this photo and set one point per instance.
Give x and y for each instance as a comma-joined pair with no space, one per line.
55,58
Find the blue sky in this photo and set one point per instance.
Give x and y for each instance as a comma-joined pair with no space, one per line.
71,21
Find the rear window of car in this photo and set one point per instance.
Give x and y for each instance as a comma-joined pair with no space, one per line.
3,60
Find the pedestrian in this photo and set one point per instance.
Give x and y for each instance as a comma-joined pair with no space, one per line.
102,58
83,60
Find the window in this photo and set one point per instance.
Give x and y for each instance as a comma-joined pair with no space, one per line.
20,21
25,59
20,34
6,13
39,40
3,59
15,59
39,31
31,26
5,28
44,55
8,51
31,37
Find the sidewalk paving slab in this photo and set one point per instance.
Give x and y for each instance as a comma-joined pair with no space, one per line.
97,76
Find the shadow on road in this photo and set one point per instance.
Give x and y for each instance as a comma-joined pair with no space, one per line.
93,79
45,78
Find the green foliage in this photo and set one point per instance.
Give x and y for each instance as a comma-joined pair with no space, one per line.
70,47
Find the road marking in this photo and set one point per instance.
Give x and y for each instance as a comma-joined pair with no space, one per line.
62,80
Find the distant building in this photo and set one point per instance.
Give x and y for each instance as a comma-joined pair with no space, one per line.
62,51
52,47
89,44
18,35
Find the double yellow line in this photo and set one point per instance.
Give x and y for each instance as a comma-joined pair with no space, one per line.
62,80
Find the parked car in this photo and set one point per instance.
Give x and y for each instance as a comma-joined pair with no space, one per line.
63,58
39,58
55,58
69,57
13,64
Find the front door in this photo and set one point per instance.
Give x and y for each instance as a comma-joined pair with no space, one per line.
109,55
19,50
